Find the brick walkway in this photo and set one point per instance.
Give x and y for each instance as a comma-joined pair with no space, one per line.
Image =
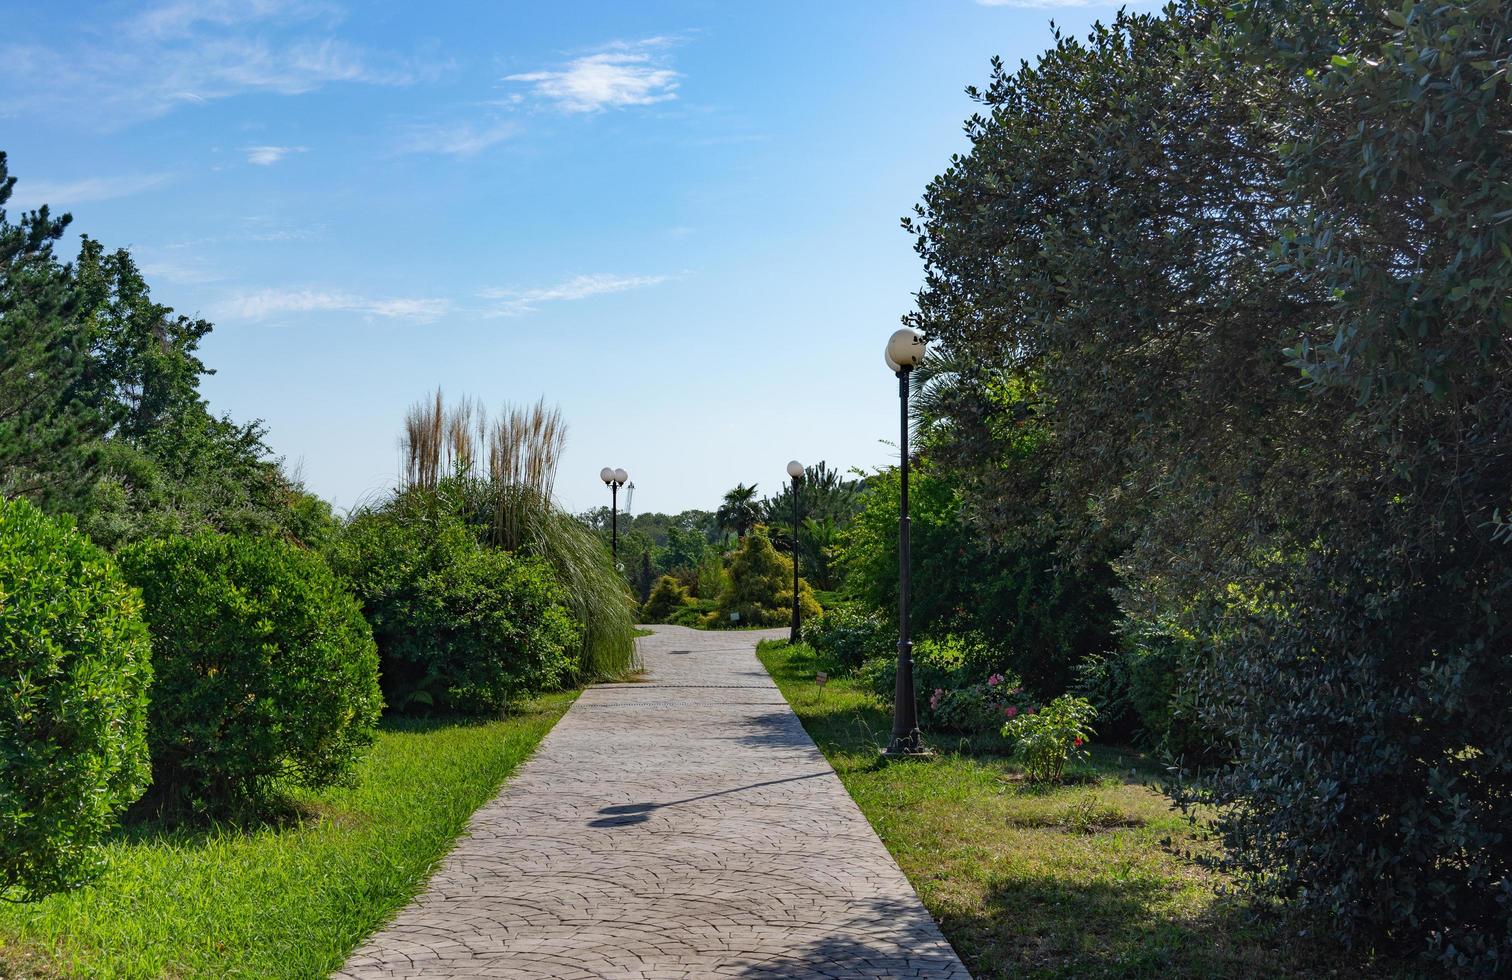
685,827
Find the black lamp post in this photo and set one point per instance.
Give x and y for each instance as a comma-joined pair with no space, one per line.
905,349
614,479
795,470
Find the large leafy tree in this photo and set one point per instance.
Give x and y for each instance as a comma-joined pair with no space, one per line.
1247,269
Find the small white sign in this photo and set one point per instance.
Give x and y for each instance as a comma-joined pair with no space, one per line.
735,617
821,678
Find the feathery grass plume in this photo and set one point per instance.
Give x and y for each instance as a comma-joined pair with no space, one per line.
525,445
466,429
424,430
511,505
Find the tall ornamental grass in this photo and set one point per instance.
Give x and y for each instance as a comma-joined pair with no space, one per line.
501,474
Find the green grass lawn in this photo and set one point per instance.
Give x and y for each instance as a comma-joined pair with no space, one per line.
279,901
1081,880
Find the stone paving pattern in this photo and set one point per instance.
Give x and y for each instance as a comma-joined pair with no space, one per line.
684,827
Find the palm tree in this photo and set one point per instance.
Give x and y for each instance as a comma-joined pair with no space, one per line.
740,511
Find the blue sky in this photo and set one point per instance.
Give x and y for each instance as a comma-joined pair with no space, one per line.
677,220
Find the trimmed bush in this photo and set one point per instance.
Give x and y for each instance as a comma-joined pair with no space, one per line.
460,627
849,638
760,586
491,628
265,670
74,670
666,599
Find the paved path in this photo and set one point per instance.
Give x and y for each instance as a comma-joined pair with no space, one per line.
685,827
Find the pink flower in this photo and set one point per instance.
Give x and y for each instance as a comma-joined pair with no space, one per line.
994,680
1009,711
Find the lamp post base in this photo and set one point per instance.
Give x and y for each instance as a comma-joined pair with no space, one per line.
910,746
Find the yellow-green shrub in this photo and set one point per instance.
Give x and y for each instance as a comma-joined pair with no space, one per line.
760,586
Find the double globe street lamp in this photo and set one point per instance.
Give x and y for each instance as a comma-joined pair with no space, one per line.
614,479
795,470
905,351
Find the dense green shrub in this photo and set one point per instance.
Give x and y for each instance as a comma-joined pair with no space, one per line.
1036,615
948,663
490,629
848,637
459,626
695,614
668,597
760,588
74,671
264,670
385,556
1143,689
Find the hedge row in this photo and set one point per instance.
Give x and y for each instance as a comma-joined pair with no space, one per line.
208,671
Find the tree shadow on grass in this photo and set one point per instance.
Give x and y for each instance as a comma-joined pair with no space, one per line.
1053,927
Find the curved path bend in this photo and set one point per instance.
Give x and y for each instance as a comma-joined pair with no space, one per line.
685,827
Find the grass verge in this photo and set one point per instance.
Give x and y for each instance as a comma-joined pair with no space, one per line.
1081,880
286,900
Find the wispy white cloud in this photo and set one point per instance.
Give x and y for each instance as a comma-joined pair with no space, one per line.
625,73
179,18
266,156
61,195
517,302
189,52
266,303
456,139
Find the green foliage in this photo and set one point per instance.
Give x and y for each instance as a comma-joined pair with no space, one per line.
760,588
490,629
100,413
47,424
459,626
712,577
1252,261
1036,616
264,670
827,503
975,708
74,671
418,558
1047,738
848,637
740,510
523,520
667,598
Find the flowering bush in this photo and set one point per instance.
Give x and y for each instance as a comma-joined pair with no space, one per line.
1048,737
980,707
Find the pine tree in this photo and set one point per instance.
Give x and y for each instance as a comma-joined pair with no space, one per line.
48,427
